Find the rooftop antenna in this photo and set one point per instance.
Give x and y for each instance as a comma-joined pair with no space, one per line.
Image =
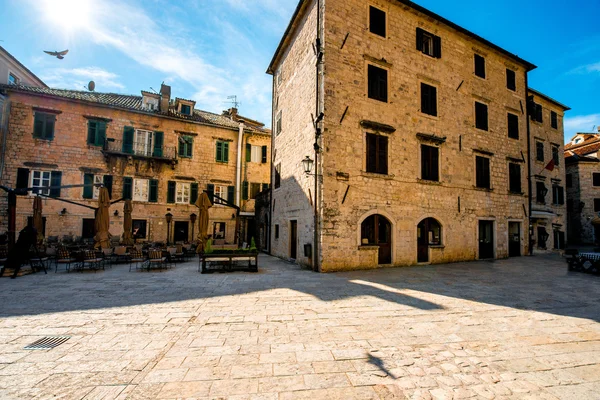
233,100
155,92
91,86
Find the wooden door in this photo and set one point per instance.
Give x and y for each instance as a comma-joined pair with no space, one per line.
384,239
486,239
293,239
514,239
181,233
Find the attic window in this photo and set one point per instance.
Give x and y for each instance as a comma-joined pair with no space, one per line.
578,140
186,109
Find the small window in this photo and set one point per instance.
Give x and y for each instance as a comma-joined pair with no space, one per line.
139,228
539,151
511,79
43,125
479,66
553,120
96,133
537,112
513,126
41,180
514,177
377,154
378,82
428,99
182,193
254,153
482,172
429,44
569,178
186,146
276,231
558,196
222,151
254,190
220,191
186,109
219,230
481,116
540,192
278,124
596,179
277,175
140,190
13,79
377,21
430,163
596,205
556,155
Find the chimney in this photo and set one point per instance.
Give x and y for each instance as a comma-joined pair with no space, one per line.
165,97
233,113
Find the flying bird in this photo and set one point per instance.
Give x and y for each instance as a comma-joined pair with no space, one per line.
58,54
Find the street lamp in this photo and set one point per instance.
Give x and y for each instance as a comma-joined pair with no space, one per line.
169,218
307,163
193,220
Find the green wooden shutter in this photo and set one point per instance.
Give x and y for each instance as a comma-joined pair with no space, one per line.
193,192
38,125
245,190
91,138
189,146
88,191
55,179
219,155
210,190
231,194
128,132
158,144
181,151
225,152
171,187
22,178
264,154
153,192
248,152
101,134
49,128
127,188
108,180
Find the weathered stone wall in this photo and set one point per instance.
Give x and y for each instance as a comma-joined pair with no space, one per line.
581,229
69,152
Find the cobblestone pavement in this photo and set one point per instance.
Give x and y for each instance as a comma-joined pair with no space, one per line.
519,328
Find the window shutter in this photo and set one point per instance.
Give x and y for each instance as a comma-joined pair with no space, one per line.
511,79
435,163
437,47
171,187
248,152
210,190
49,129
264,154
245,190
433,100
231,194
193,192
189,146
371,153
424,98
158,144
561,195
382,166
181,151
55,179
38,125
539,113
513,126
419,39
153,191
219,155
128,132
127,188
226,152
88,191
101,136
22,178
91,139
108,180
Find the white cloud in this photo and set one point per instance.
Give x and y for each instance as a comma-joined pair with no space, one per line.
78,78
586,69
580,124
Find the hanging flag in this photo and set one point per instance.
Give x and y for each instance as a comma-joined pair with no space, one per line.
550,166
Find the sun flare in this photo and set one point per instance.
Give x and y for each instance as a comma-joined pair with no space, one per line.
70,15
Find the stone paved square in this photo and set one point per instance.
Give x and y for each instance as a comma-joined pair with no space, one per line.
517,328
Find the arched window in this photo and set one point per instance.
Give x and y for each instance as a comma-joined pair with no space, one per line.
376,230
432,230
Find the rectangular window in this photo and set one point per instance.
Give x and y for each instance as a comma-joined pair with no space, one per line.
254,190
186,145
276,231
377,154
41,180
511,79
186,109
556,155
430,163
143,144
539,151
558,195
377,21
254,153
96,133
540,192
220,191
429,44
277,175
98,180
13,79
569,178
479,66
428,99
377,83
278,124
140,190
43,125
481,116
596,179
219,230
139,228
537,112
222,151
553,120
182,193
482,172
596,205
513,126
514,177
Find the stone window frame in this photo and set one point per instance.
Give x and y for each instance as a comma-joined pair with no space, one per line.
386,28
388,79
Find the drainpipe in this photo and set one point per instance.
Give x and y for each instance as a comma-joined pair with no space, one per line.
238,169
319,64
529,188
4,117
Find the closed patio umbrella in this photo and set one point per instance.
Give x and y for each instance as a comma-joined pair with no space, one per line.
102,222
38,221
127,224
203,203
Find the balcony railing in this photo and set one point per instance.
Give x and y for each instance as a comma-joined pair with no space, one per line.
139,149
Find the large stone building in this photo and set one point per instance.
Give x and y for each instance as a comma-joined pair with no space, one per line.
14,73
159,151
421,136
583,188
547,171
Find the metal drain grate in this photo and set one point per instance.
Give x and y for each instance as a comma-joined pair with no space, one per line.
48,342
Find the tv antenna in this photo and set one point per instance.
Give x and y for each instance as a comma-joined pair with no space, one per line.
233,101
153,90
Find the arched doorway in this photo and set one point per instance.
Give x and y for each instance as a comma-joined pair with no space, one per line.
429,233
376,230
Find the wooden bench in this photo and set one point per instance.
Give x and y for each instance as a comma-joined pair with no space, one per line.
216,262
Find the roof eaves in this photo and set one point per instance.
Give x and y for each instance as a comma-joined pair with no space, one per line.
548,98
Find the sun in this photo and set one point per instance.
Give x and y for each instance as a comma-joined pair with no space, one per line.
70,15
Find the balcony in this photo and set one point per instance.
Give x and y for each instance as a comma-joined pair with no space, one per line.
139,150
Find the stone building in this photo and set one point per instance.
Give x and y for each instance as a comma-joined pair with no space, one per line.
159,151
583,188
12,72
548,207
421,136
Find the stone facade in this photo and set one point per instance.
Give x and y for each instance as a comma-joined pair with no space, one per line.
418,219
13,72
549,210
70,153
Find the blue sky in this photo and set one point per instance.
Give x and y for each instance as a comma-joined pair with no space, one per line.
210,49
